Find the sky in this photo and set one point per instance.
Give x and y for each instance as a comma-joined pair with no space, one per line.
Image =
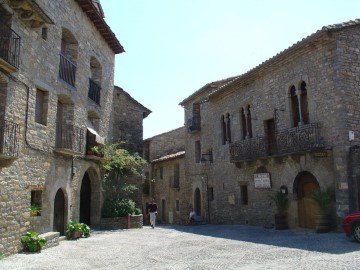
175,47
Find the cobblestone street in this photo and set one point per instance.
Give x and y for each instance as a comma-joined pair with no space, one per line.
196,247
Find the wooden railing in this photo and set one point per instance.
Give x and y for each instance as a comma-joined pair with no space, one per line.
289,141
94,91
9,45
9,139
67,70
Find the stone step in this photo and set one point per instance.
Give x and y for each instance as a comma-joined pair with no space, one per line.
52,239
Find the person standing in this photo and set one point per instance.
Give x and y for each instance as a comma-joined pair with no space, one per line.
153,212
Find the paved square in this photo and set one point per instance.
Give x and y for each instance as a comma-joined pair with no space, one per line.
196,247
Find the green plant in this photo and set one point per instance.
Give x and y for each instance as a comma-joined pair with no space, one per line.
73,230
32,242
1,256
35,210
323,199
119,208
85,230
281,201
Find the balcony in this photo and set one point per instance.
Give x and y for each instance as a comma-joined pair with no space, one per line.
290,141
67,70
9,139
9,48
70,140
94,91
194,124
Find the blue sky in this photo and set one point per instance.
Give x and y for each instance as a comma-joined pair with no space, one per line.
175,47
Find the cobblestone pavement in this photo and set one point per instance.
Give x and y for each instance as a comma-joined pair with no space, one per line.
196,247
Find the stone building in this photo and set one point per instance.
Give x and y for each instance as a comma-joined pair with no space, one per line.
56,92
165,176
127,127
290,124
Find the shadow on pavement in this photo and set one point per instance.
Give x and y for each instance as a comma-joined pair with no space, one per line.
332,242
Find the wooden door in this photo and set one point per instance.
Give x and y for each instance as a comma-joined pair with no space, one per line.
271,136
307,208
85,200
59,212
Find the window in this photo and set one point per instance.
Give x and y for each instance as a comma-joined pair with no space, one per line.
299,105
246,125
197,151
226,129
35,206
161,172
177,206
44,33
176,176
243,194
41,107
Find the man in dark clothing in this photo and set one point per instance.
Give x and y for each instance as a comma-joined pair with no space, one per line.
153,212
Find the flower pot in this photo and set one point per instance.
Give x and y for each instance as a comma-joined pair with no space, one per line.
322,223
281,222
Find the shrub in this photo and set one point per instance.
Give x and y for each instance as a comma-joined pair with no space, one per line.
32,242
119,208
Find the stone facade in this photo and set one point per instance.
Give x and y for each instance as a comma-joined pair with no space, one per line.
284,125
165,176
127,127
56,77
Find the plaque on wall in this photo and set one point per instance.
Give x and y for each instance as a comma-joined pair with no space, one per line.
262,180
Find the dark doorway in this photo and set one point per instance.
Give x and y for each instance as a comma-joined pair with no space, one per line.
85,200
59,212
307,208
197,202
271,136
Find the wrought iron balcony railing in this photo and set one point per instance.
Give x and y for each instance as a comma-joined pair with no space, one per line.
289,141
67,70
9,139
94,91
9,45
70,139
194,124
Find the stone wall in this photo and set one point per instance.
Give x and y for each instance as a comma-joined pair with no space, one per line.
39,165
135,222
331,104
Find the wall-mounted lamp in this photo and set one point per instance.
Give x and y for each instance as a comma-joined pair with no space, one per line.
284,190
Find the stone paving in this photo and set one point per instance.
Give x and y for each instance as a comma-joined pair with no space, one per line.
196,247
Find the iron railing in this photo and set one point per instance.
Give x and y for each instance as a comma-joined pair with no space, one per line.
9,45
194,124
9,139
289,141
67,70
94,91
70,137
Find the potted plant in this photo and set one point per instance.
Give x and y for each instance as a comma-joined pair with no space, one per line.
35,210
281,201
85,230
73,230
324,199
32,242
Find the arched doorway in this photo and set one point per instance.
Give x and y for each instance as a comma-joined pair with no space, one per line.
197,202
306,184
59,212
85,200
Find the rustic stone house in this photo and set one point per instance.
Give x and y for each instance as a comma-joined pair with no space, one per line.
165,176
290,124
127,127
56,91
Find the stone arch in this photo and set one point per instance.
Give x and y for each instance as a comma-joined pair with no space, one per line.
69,45
305,184
60,214
96,70
89,192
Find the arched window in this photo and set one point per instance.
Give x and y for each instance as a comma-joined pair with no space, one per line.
243,125
68,57
228,128
294,106
249,125
304,103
